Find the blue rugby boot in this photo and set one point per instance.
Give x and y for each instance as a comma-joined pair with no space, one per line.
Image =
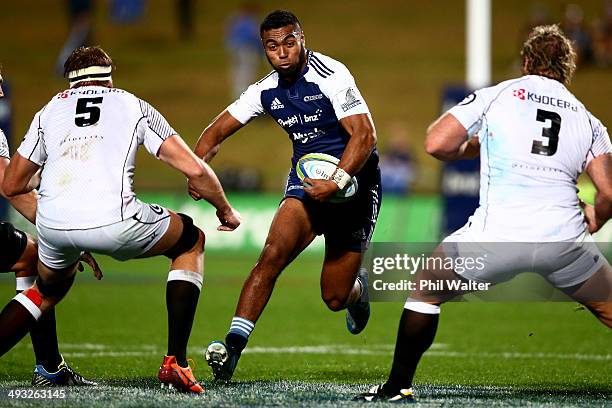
64,376
358,314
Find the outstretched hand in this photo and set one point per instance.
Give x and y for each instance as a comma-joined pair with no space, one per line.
320,190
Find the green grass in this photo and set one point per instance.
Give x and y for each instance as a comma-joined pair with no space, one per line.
301,354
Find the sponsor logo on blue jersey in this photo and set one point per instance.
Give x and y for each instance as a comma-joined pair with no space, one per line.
307,136
310,98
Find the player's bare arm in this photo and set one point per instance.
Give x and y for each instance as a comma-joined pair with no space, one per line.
18,176
208,145
599,170
175,152
25,204
361,143
447,139
222,127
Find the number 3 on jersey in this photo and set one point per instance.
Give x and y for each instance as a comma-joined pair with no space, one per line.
87,113
552,133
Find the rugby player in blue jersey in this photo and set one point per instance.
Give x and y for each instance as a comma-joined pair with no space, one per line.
315,100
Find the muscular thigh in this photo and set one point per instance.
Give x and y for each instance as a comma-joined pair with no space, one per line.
290,233
349,226
596,289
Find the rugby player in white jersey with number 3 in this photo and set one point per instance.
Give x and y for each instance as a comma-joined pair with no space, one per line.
534,139
85,140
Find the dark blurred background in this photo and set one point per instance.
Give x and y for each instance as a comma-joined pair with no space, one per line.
190,58
401,54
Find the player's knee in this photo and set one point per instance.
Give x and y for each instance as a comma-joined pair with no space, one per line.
274,256
43,296
53,291
192,239
334,302
33,301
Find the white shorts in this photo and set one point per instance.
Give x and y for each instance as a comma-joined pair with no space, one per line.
563,264
58,249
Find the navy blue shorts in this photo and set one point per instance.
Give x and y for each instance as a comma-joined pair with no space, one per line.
348,225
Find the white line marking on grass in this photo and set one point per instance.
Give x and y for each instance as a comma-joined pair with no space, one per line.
513,355
374,349
434,351
113,354
85,350
95,346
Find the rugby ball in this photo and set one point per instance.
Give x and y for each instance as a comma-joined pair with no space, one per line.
321,166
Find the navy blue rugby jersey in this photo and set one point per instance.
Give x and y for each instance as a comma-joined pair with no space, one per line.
308,109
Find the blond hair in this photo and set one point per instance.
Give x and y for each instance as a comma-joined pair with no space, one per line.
548,52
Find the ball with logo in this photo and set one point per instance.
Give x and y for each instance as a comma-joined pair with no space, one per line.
321,166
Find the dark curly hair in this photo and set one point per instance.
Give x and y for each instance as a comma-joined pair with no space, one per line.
548,52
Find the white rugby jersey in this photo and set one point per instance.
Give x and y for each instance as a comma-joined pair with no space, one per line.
536,138
86,139
4,148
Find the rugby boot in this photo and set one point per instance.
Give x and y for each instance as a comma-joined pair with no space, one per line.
222,359
358,314
64,376
377,394
175,377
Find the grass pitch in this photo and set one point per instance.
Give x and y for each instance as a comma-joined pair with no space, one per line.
300,354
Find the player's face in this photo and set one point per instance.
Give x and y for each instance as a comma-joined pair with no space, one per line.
285,50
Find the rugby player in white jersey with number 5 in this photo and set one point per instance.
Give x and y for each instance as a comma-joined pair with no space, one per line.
534,139
85,140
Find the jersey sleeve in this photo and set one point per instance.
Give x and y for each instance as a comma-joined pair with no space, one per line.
4,148
600,139
248,106
157,128
469,111
33,145
344,94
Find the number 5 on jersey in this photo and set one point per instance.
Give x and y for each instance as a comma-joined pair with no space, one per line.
87,113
